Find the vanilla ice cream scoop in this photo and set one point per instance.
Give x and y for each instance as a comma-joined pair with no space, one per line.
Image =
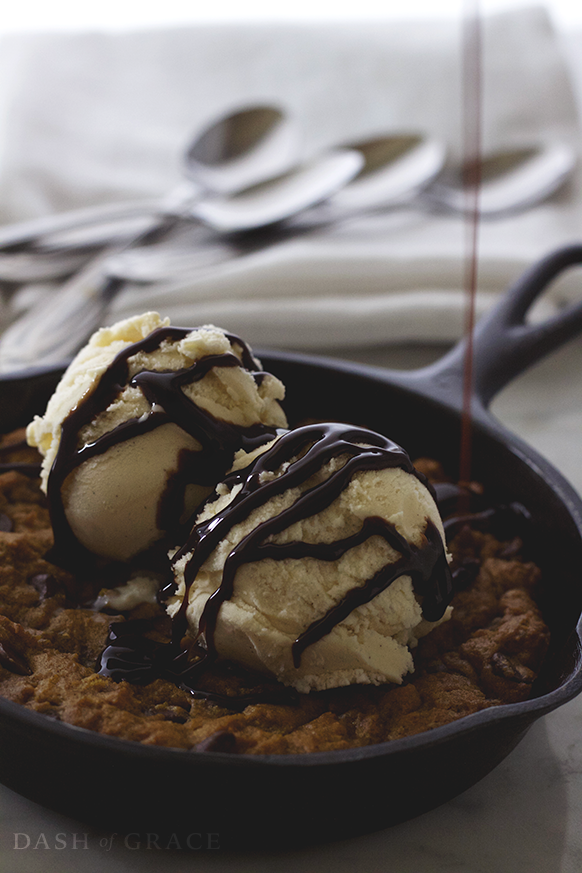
144,423
320,559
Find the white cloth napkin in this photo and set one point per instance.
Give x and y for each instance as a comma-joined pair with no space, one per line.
97,117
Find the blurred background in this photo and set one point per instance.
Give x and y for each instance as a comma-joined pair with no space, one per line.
64,14
100,102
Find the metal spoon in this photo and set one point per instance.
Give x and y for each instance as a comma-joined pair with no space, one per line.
396,169
54,329
235,152
241,150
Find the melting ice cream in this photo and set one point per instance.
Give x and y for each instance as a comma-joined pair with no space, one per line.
320,559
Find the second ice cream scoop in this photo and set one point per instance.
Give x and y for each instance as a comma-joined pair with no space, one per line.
321,560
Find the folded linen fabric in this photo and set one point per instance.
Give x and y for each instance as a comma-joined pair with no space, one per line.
97,117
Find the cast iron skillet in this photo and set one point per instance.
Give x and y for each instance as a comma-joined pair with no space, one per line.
292,800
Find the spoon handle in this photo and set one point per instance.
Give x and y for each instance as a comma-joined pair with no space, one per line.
57,326
62,322
26,233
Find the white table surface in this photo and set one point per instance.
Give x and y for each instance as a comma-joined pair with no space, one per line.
524,817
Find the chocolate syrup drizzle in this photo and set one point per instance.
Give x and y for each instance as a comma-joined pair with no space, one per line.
461,507
311,447
168,403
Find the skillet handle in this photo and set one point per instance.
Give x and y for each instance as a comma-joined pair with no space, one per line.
504,345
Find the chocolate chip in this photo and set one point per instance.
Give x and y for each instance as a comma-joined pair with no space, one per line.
221,741
45,584
12,661
175,714
511,550
5,523
505,668
435,665
465,574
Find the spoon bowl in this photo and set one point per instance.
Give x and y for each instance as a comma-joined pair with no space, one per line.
283,197
241,150
395,169
509,181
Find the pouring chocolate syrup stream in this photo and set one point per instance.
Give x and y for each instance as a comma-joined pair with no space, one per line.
456,502
472,111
